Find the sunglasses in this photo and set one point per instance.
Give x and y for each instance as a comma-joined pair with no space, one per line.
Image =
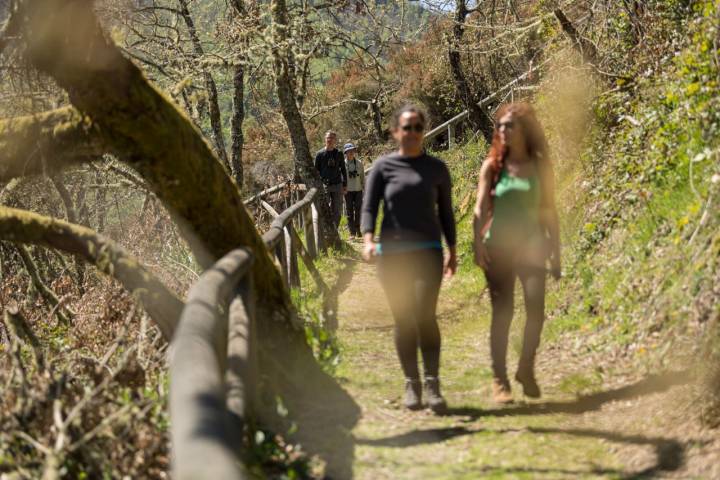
417,128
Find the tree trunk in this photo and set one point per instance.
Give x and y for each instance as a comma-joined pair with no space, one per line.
236,124
478,118
380,135
216,130
72,217
581,44
65,197
304,163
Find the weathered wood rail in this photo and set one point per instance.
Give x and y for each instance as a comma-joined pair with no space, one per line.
213,357
450,126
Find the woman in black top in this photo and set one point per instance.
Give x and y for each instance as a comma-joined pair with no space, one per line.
417,211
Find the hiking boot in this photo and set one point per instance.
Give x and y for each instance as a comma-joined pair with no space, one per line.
501,391
434,398
413,394
526,377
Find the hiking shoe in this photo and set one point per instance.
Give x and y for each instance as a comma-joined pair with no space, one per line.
434,398
526,377
501,391
413,394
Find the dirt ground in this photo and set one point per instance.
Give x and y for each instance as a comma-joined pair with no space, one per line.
630,427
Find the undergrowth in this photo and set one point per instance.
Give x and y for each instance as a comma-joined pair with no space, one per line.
639,210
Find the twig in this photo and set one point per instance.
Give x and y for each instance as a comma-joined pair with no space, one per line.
37,445
18,326
703,219
47,293
18,365
99,427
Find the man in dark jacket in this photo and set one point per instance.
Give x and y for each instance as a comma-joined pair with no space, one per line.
330,162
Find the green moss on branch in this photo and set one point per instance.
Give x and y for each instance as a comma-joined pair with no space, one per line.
21,226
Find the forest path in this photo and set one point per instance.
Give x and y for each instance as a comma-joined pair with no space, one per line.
556,437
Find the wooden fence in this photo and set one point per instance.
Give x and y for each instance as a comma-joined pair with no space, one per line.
213,358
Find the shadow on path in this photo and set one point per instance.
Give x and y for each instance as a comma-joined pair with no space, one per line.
419,437
669,453
324,412
331,300
652,384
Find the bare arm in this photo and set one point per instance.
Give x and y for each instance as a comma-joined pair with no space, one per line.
481,214
369,212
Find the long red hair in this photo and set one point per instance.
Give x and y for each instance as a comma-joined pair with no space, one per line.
523,115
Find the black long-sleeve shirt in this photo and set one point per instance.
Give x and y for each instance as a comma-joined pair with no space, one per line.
417,200
331,165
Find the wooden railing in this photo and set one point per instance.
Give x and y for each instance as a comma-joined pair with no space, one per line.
213,359
451,125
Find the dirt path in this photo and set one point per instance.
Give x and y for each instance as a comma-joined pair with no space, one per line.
557,437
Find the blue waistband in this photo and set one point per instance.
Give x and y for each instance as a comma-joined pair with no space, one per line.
396,247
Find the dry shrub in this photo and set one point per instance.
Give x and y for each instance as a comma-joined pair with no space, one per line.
89,400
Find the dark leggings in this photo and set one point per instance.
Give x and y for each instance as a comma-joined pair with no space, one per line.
411,282
503,269
353,204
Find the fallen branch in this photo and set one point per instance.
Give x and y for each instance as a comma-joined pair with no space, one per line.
162,305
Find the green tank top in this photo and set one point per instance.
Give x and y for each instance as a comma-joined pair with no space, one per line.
516,212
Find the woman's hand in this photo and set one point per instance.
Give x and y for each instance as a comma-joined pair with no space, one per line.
555,267
554,258
482,259
450,266
369,248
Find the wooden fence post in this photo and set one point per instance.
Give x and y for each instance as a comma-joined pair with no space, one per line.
451,135
241,374
293,273
309,232
281,254
316,228
308,261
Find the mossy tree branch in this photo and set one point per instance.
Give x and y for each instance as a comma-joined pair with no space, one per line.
162,305
47,141
142,127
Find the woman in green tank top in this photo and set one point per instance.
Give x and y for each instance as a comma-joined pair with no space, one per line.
516,234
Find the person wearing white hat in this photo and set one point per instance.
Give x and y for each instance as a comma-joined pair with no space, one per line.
355,184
